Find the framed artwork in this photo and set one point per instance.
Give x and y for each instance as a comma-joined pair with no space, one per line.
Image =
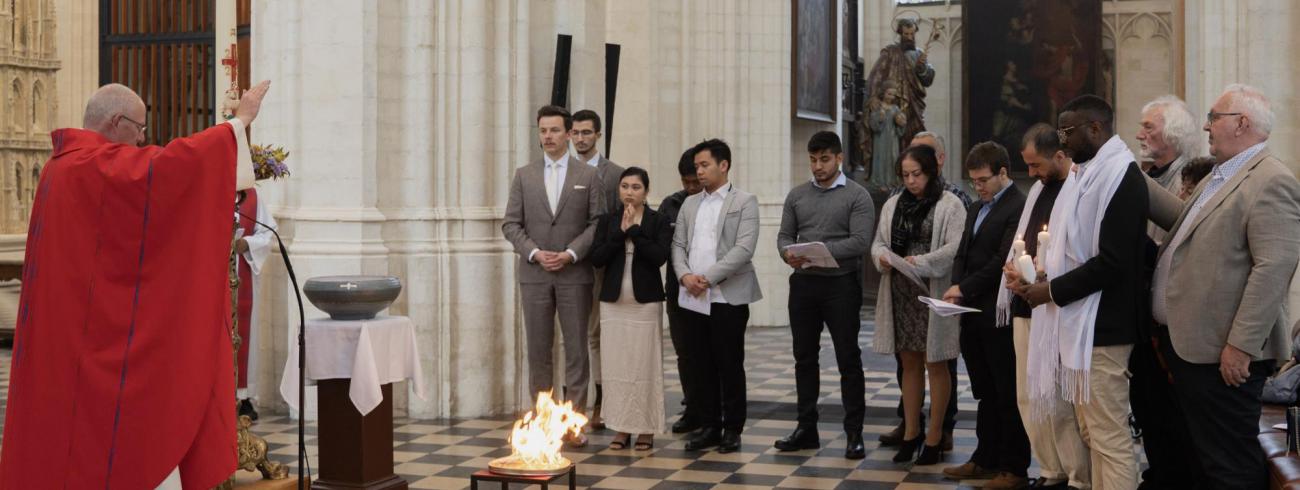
1024,60
814,59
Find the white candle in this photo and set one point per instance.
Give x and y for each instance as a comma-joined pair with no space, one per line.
1025,265
1018,247
1043,238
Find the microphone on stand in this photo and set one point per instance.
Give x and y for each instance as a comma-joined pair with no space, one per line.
302,348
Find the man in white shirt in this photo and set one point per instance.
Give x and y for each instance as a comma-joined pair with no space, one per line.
716,233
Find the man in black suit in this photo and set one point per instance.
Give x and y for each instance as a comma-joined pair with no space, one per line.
690,419
1003,449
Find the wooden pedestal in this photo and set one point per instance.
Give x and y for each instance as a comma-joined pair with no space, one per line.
356,452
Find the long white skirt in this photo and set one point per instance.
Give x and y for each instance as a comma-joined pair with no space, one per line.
631,351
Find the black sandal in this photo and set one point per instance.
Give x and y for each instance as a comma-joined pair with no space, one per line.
644,445
620,441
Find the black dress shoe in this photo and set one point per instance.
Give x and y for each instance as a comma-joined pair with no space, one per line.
684,425
855,449
730,442
246,408
799,439
704,439
930,455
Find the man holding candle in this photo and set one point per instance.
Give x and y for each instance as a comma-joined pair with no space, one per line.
1221,338
1080,347
1054,434
1003,449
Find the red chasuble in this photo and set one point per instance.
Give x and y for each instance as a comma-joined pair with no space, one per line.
122,364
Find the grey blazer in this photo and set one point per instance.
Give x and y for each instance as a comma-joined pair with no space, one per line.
530,224
734,271
1229,276
608,172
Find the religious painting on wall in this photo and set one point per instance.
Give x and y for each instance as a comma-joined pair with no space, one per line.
813,58
1029,58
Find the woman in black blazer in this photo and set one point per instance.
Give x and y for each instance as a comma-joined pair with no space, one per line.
631,243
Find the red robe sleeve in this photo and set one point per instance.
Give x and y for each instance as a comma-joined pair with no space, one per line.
122,366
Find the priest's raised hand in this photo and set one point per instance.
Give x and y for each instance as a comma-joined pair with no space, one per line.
122,371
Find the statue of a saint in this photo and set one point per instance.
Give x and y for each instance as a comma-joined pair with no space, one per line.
907,67
886,121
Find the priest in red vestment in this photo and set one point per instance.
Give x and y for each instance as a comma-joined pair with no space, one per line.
122,371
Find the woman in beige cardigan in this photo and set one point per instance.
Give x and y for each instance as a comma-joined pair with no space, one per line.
923,225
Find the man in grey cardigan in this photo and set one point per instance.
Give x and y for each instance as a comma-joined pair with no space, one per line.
713,245
839,213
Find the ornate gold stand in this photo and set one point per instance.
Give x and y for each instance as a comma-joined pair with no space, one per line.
252,448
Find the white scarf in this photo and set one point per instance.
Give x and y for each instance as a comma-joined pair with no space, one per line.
1061,337
1004,296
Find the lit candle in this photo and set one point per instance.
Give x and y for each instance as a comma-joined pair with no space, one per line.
1043,238
1018,246
1025,265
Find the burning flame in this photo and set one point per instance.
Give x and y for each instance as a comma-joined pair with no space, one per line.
536,439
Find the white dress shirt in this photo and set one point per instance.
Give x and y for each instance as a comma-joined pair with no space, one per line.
703,251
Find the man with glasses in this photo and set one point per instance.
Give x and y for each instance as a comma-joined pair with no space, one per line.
1221,336
1003,449
128,267
585,135
1095,264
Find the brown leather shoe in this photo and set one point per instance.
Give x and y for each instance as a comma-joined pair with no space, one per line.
893,437
968,471
1007,481
947,441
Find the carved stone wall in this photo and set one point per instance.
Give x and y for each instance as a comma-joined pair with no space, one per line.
28,63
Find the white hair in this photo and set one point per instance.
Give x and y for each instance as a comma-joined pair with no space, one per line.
1181,130
1251,101
108,101
938,140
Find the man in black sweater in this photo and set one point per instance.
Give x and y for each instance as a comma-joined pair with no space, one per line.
1003,448
689,420
1108,284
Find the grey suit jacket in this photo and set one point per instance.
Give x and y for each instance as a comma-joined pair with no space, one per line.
1228,279
530,223
737,237
608,172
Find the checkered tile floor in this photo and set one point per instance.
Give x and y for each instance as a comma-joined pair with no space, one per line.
436,454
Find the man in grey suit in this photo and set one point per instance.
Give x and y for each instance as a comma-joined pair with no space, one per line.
585,136
550,219
713,245
1219,284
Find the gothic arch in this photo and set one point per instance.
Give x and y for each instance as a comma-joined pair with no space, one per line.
16,104
38,107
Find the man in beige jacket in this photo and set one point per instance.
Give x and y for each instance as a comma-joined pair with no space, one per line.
1219,282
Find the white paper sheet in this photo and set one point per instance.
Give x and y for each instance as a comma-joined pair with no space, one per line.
816,253
906,268
698,304
944,308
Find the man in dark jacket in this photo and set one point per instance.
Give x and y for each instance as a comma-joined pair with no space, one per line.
669,208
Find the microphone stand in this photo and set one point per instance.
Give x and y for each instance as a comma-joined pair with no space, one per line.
302,347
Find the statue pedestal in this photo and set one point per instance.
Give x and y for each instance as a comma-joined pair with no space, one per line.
356,451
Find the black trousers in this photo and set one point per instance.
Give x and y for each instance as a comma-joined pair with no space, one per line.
990,355
950,415
834,302
1223,421
717,345
1171,460
677,330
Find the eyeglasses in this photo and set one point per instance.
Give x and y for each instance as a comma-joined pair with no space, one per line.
139,125
1064,133
982,181
1212,116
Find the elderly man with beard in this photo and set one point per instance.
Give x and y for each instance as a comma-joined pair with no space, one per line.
1168,138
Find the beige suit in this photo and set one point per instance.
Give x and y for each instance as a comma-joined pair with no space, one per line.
530,224
1230,274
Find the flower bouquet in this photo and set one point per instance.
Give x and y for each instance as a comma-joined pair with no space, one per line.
268,162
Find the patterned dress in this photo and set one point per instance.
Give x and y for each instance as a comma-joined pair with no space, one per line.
911,317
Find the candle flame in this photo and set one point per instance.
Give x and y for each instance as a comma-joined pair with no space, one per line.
536,439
